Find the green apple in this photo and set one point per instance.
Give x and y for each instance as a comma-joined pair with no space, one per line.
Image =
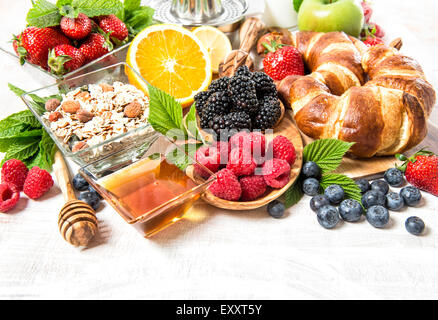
331,15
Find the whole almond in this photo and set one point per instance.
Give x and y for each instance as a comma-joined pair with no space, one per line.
52,104
80,145
54,116
133,110
83,95
106,87
70,106
84,115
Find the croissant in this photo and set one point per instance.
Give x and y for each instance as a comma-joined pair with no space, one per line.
375,97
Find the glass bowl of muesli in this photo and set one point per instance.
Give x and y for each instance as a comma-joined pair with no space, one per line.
93,115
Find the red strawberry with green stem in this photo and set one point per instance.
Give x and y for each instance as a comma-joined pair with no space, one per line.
33,44
114,26
421,170
95,46
76,28
282,61
65,58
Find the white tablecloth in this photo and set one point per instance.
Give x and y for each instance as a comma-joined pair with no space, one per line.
215,254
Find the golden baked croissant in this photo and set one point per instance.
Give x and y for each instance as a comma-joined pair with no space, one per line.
373,96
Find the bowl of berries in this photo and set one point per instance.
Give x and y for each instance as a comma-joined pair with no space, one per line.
64,38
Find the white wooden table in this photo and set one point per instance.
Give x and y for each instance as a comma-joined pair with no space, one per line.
215,254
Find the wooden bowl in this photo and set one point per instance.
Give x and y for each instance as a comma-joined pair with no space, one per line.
286,127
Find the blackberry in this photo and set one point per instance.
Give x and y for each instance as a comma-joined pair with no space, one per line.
201,100
225,126
244,71
217,105
270,112
244,95
219,85
265,86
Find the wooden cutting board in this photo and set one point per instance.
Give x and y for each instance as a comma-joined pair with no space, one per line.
375,167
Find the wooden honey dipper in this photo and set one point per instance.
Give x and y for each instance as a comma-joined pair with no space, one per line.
77,220
248,34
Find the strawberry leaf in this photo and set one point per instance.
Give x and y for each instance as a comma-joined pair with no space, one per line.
43,14
350,187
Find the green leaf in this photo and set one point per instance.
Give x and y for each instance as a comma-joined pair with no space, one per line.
192,125
93,8
26,117
43,14
297,5
293,195
165,114
19,92
326,153
131,5
182,156
61,3
139,19
22,150
350,188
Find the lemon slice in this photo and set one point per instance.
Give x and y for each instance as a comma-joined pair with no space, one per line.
216,42
172,59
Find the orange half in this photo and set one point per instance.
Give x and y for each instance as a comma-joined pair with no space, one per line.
171,58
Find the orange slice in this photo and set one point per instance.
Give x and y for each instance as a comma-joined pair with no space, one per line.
171,58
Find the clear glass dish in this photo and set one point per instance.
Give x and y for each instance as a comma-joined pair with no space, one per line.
144,185
90,154
44,77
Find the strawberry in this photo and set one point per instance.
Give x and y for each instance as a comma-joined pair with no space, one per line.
282,61
65,58
367,11
76,28
114,26
33,44
371,41
95,46
421,170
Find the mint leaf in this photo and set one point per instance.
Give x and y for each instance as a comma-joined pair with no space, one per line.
22,150
131,5
43,14
326,153
293,195
297,5
350,188
93,8
182,156
19,92
61,3
26,117
139,19
165,114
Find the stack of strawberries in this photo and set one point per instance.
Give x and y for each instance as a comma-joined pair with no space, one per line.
75,42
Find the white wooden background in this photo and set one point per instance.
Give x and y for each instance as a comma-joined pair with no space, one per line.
214,254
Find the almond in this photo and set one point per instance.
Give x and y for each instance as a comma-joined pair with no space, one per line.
106,87
52,104
54,116
83,95
80,145
70,106
133,110
84,115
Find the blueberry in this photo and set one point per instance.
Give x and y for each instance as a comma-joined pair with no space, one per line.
79,183
350,210
91,189
378,216
334,193
311,187
363,185
328,217
380,185
411,195
311,170
394,201
319,201
414,225
91,198
373,198
276,209
394,177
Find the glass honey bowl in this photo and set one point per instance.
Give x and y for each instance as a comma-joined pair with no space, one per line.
146,185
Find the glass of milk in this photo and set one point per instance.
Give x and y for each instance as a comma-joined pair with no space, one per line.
280,13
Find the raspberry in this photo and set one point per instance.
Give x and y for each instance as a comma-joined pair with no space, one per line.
241,162
253,187
276,173
254,141
283,149
37,183
209,157
9,196
224,149
14,171
226,186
